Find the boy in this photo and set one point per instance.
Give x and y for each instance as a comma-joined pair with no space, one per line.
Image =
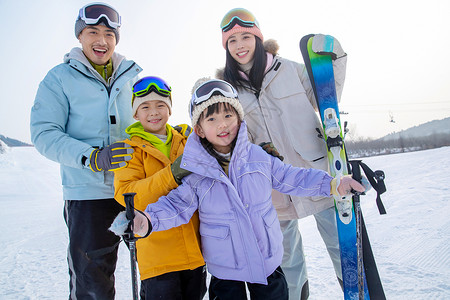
170,263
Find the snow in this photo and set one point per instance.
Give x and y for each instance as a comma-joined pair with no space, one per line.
411,243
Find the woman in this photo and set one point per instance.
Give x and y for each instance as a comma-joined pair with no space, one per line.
279,106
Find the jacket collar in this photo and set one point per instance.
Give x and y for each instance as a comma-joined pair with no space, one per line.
271,72
77,55
268,66
137,140
136,129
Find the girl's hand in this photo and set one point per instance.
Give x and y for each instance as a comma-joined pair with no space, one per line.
141,223
344,185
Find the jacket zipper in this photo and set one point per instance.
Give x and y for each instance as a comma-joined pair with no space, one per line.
108,89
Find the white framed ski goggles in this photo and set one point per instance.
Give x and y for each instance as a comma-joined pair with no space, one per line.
92,13
209,89
239,16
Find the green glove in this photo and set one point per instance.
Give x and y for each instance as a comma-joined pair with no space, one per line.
184,129
270,149
177,171
111,158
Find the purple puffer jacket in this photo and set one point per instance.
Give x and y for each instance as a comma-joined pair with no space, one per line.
240,232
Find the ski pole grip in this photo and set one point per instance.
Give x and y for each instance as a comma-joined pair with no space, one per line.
129,205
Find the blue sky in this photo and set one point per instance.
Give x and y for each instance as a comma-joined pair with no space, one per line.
397,63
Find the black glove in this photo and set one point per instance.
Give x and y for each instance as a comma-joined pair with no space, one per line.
111,158
177,171
270,149
184,129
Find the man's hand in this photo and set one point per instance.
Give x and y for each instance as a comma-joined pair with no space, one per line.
111,158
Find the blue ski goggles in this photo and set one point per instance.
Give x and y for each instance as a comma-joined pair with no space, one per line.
93,13
148,84
239,16
209,89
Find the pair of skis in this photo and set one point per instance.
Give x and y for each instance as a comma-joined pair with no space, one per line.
360,275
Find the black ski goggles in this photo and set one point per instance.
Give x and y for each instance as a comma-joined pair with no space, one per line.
209,89
92,14
238,16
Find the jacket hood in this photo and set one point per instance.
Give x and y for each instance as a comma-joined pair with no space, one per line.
271,46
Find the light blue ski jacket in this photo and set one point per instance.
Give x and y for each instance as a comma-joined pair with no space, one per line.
240,232
76,110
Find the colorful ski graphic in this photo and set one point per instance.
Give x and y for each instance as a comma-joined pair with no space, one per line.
320,71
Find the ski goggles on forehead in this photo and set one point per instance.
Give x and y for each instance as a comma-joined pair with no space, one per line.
151,83
209,89
238,16
92,13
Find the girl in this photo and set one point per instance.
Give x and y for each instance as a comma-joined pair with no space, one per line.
279,107
230,186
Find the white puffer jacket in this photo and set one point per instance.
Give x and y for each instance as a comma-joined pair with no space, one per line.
285,114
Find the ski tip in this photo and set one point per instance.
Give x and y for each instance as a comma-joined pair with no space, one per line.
304,40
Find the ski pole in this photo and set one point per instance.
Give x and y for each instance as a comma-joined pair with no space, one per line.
129,237
356,175
357,206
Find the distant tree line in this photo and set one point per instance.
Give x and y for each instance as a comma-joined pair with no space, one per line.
12,142
363,147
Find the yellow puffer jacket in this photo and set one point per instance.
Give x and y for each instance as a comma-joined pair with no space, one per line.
148,174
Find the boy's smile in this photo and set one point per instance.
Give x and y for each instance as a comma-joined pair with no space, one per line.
153,115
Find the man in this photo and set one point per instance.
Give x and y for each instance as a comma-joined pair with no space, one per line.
81,110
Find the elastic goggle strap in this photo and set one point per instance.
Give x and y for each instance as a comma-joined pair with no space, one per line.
238,16
210,88
151,83
92,13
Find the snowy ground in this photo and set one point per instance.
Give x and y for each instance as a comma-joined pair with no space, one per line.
411,243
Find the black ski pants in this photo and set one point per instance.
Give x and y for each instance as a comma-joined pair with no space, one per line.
179,285
276,288
92,250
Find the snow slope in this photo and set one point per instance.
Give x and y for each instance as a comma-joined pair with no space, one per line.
411,243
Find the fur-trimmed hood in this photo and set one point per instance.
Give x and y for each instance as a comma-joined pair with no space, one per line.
270,45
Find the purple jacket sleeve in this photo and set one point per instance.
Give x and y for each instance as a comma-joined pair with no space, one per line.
299,181
174,209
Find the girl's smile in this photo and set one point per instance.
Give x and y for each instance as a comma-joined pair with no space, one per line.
219,128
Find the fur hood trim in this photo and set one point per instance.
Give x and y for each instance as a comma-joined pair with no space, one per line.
271,46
